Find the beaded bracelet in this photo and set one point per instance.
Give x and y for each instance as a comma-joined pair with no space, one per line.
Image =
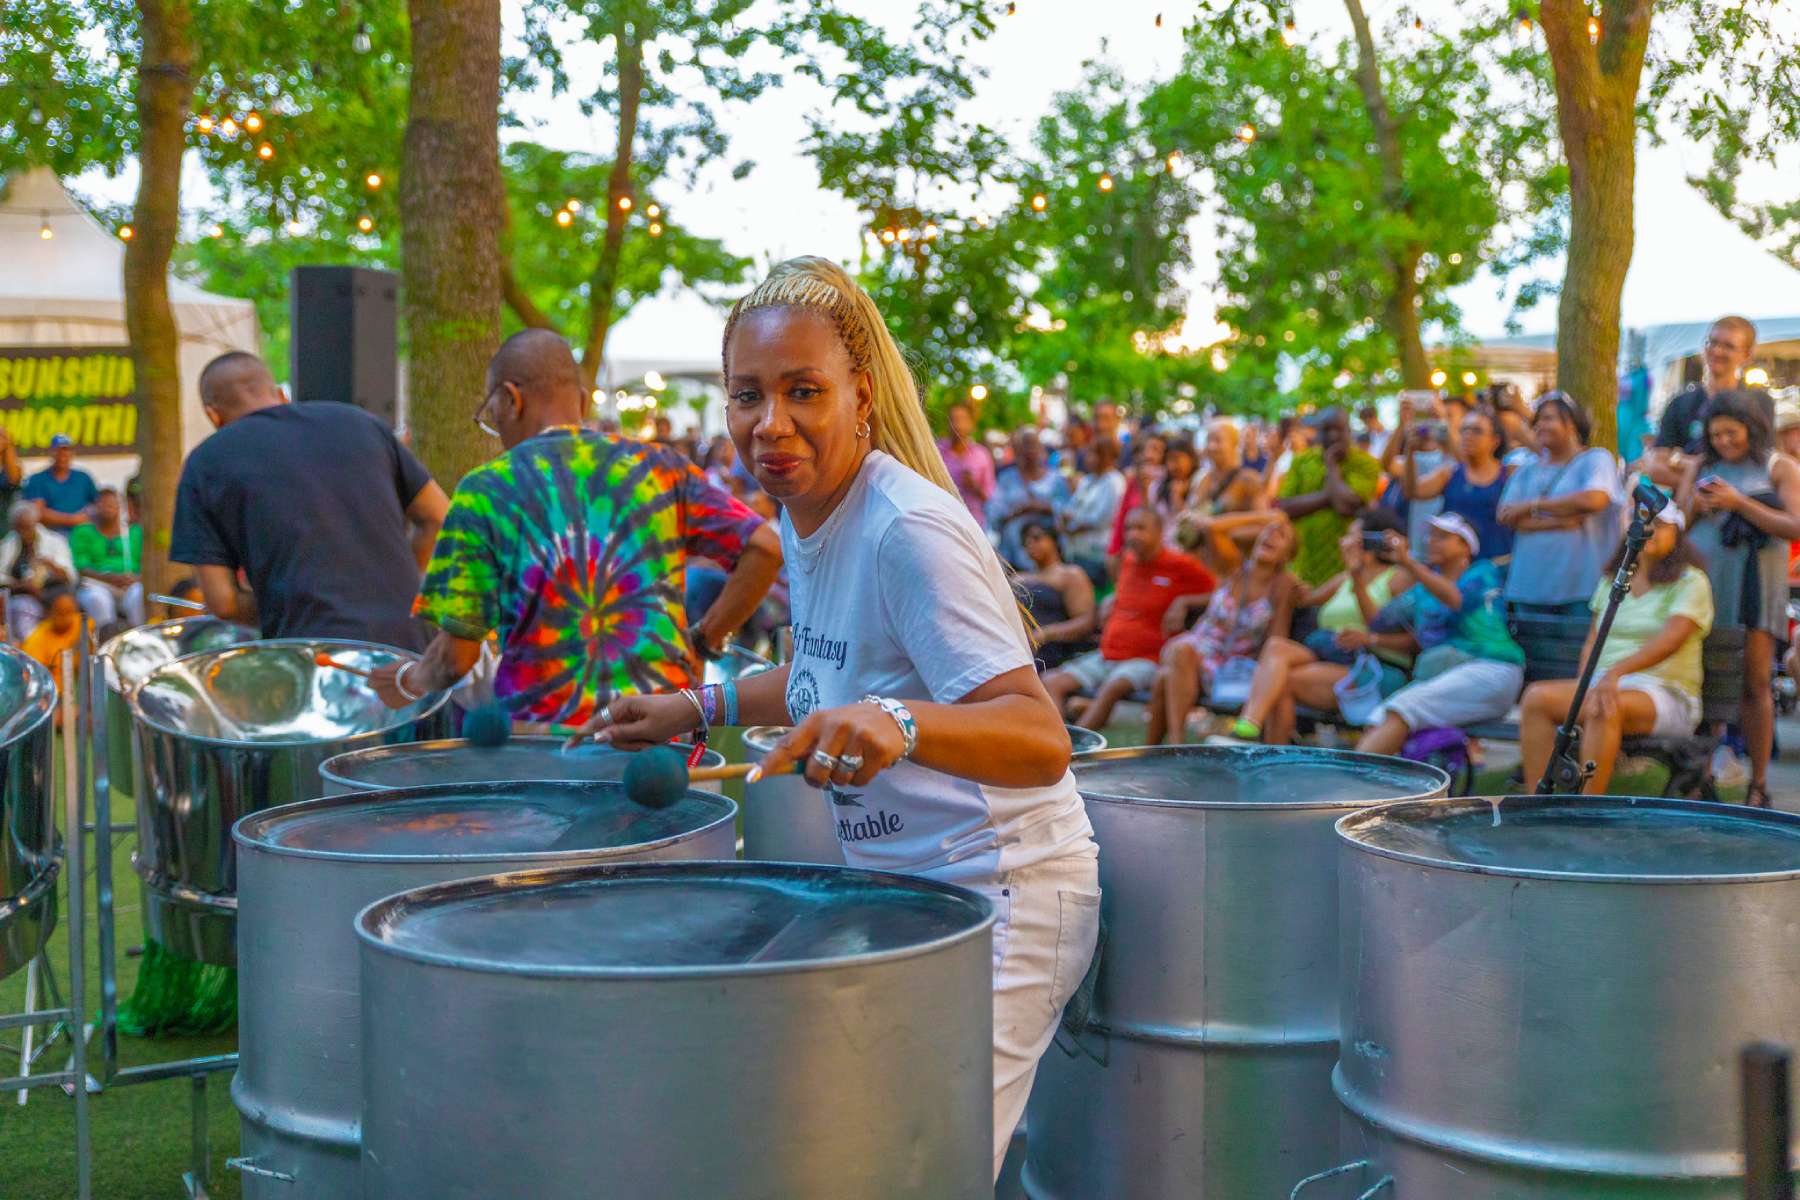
730,693
709,705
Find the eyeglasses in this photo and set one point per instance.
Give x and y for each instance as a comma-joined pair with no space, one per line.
481,421
1719,343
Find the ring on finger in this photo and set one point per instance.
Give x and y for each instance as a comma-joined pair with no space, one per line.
826,761
850,762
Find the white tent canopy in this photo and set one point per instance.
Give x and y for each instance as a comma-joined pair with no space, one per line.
68,290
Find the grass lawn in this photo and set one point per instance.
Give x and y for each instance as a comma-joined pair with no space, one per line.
141,1133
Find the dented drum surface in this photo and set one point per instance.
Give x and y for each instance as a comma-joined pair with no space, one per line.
30,851
457,760
679,1030
129,658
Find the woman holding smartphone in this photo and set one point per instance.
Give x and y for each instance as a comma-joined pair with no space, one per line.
1743,502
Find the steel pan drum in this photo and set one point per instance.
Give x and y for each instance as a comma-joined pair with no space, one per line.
228,732
1085,741
786,819
304,870
30,852
1207,1073
456,760
129,658
735,662
679,1030
1545,996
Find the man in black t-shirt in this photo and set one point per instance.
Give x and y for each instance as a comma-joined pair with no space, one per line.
313,503
1682,430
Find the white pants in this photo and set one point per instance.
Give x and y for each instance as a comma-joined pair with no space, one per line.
1047,919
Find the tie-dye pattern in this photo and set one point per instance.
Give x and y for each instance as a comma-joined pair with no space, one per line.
572,547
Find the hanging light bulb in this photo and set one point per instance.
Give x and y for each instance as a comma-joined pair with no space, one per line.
889,234
125,232
1040,202
1159,20
1439,377
295,228
1290,34
228,127
1524,25
931,231
653,212
1246,133
359,41
573,205
1174,160
1012,8
44,230
1593,31
365,223
253,122
656,229
1468,378
978,393
1106,183
265,152
1456,260
213,231
204,124
372,180
624,203
564,217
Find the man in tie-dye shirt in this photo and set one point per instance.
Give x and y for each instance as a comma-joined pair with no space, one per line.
571,548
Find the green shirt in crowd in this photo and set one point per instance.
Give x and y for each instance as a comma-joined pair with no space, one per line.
94,551
1316,535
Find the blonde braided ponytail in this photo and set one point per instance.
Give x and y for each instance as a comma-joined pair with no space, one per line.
897,423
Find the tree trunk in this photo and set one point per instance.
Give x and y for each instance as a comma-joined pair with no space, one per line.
451,210
1403,297
164,95
1596,114
603,284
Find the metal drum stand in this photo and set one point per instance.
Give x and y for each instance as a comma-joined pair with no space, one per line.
66,1020
197,1070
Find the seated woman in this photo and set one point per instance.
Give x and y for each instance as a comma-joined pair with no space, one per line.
1060,598
1254,600
1469,668
1648,679
1291,673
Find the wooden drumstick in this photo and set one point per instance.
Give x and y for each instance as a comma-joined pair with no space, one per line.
323,659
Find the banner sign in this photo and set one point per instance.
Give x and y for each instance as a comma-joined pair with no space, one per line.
83,391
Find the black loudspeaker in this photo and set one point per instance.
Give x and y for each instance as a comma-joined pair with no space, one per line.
342,327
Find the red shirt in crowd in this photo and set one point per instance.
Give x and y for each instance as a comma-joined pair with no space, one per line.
1144,593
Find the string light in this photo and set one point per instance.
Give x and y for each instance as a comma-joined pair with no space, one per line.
365,223
1290,35
44,230
1439,377
888,235
213,231
1012,8
1455,259
228,127
204,124
931,231
1040,202
656,229
1159,20
1593,31
296,228
125,232
265,152
653,212
624,203
1525,25
573,205
1756,377
564,217
1174,160
1246,133
373,180
1468,378
253,122
360,41
978,393
1106,183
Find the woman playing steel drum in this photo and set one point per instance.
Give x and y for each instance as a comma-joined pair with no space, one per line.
911,688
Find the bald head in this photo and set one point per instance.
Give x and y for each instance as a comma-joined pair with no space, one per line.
540,385
237,384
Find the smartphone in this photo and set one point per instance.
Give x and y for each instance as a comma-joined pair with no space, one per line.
1707,481
1374,543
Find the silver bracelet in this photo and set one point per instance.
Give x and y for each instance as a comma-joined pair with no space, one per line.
400,682
909,728
699,709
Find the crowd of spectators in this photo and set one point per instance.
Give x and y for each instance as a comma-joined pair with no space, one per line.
1234,575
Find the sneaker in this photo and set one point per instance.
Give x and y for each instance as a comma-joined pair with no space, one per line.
1728,770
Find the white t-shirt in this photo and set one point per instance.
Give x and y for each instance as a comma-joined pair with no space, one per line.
899,594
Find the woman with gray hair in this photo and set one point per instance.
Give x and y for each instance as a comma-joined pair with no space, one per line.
32,558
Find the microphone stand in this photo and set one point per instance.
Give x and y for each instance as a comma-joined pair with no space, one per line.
1565,773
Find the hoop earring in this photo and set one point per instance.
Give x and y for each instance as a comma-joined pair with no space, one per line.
863,431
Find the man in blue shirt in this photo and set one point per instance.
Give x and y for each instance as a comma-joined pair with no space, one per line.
62,490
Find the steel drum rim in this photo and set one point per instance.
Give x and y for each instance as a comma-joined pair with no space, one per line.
1456,1142
328,775
374,914
172,890
1347,758
40,695
423,713
762,738
1346,830
36,888
105,653
248,840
